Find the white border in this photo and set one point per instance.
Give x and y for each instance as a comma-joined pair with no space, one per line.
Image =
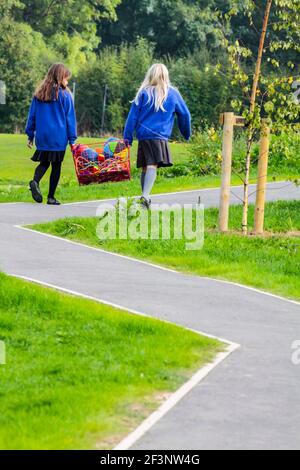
157,266
176,397
10,203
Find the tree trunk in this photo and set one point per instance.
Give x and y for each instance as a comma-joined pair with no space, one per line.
252,110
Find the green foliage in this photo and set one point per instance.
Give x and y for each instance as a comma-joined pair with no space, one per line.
35,34
280,67
197,40
285,150
73,17
202,86
205,153
24,57
206,158
72,50
121,71
177,27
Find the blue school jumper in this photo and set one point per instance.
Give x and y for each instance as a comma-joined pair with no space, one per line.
52,124
157,125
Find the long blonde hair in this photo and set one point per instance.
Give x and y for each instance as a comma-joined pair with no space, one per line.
156,84
52,83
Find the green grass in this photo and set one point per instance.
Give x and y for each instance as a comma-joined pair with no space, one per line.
270,263
16,170
81,375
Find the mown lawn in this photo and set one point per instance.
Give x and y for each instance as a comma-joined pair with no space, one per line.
16,170
81,375
270,263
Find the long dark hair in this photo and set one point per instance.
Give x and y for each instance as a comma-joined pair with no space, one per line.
52,83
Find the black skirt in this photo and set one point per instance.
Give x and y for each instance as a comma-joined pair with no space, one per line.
48,156
154,152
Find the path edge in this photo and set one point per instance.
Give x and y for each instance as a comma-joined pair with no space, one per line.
157,266
177,396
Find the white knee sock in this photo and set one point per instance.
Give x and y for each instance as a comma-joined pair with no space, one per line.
143,174
150,178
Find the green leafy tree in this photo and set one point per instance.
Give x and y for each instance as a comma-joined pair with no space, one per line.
37,32
122,71
51,17
6,7
24,58
268,91
176,27
203,87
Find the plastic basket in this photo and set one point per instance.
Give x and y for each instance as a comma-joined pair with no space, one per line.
102,162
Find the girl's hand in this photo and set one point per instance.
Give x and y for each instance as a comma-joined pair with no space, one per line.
30,144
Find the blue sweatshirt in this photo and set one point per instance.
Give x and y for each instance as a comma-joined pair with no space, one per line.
52,124
150,124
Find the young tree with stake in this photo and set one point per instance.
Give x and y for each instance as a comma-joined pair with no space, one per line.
268,93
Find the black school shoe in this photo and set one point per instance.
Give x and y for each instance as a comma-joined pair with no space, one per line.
53,202
35,191
145,203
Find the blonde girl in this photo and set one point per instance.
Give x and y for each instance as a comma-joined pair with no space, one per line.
152,116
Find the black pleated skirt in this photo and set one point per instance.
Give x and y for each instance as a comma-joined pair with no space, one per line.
154,152
48,156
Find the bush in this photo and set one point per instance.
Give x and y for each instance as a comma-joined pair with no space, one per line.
24,58
205,151
121,70
205,91
180,169
206,155
285,151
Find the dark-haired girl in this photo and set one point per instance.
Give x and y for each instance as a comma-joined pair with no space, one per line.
52,125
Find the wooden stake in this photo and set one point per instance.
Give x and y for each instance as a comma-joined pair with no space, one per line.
229,122
262,178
